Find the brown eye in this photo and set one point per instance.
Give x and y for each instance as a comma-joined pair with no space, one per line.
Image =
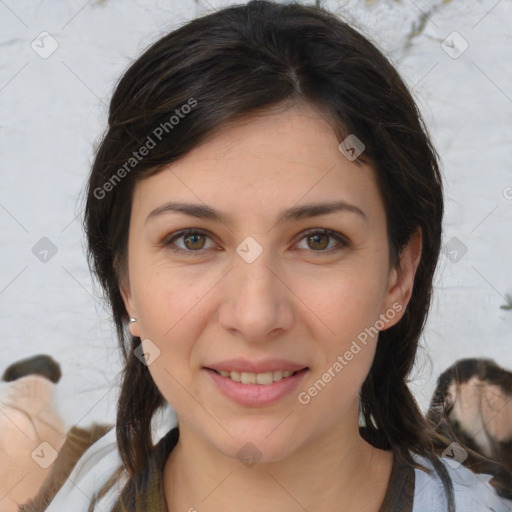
318,240
192,242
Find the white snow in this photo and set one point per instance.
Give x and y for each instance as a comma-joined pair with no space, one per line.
53,110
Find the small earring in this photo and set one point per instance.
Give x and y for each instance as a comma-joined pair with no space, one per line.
132,319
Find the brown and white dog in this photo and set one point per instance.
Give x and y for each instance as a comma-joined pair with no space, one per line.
36,452
472,405
31,429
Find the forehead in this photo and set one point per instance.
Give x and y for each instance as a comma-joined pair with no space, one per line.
264,163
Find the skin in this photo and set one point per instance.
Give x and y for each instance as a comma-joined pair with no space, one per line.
300,300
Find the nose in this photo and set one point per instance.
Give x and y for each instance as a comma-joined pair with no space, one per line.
257,303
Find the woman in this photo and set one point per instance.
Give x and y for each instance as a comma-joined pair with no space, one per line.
264,213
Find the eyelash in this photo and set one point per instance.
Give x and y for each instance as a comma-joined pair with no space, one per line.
343,242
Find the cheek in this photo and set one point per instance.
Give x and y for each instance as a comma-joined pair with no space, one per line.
173,382
345,302
344,312
334,388
171,311
167,297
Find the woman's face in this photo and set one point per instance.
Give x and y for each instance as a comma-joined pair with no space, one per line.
260,287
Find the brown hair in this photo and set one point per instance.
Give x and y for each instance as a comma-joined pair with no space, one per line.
228,65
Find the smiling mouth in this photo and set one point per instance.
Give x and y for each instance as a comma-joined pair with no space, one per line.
263,379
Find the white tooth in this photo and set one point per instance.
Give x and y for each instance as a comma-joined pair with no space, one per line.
256,378
235,376
264,378
248,378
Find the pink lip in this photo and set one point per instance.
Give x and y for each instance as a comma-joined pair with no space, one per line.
254,395
244,365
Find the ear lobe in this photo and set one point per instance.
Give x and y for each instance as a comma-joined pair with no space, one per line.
401,280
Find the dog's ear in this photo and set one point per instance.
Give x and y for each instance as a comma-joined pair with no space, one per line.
41,364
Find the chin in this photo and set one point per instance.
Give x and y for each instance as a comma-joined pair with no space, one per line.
257,442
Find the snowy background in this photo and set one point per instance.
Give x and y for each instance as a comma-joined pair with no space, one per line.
53,110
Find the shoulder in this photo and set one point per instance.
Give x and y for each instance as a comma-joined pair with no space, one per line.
472,491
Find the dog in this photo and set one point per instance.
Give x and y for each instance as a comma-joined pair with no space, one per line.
472,405
28,419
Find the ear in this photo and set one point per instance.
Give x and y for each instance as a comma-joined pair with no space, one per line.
126,294
401,280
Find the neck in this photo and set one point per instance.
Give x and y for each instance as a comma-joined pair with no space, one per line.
338,471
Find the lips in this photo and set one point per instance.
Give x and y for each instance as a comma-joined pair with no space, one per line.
257,394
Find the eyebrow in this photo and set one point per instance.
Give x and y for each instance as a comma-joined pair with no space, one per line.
294,213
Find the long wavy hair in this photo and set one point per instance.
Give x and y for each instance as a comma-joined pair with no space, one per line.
226,66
